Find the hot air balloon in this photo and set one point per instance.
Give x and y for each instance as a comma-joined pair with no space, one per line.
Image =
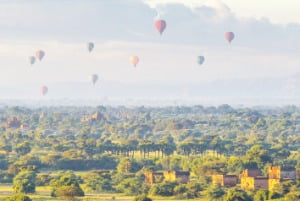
160,25
44,90
94,78
90,46
134,60
40,55
229,36
32,60
200,59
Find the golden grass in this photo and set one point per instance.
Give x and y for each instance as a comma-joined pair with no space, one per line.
43,194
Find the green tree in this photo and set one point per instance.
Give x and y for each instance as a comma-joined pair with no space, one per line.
128,165
68,182
24,182
130,186
215,194
292,196
23,148
261,195
180,189
51,159
4,145
284,187
237,195
68,192
98,182
259,155
18,197
193,189
43,179
163,189
142,198
261,123
167,146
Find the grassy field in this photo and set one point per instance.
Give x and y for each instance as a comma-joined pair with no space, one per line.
43,194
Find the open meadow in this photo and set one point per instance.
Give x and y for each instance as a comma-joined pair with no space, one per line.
43,194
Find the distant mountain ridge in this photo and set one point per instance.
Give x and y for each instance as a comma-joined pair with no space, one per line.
236,91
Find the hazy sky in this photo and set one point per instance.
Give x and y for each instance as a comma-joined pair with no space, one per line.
267,40
277,11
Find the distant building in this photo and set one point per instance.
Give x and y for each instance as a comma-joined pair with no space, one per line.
42,115
272,184
97,117
251,179
254,183
251,173
180,176
224,180
279,174
12,122
171,176
154,177
24,127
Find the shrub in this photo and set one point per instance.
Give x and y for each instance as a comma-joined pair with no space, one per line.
261,195
292,196
5,177
237,194
24,182
142,198
19,197
163,189
43,180
66,185
98,182
68,192
130,186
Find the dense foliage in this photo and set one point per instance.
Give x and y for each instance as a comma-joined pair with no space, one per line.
115,145
24,182
142,198
18,197
66,185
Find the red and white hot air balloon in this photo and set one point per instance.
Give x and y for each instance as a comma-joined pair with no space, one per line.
229,36
134,60
160,25
40,54
44,90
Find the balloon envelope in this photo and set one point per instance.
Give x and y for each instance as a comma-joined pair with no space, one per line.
40,54
44,90
90,46
229,36
160,25
200,59
32,60
94,78
134,60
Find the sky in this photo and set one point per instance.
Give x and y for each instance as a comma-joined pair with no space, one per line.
267,43
277,11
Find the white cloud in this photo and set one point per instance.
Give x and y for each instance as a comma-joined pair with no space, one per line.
214,9
277,11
